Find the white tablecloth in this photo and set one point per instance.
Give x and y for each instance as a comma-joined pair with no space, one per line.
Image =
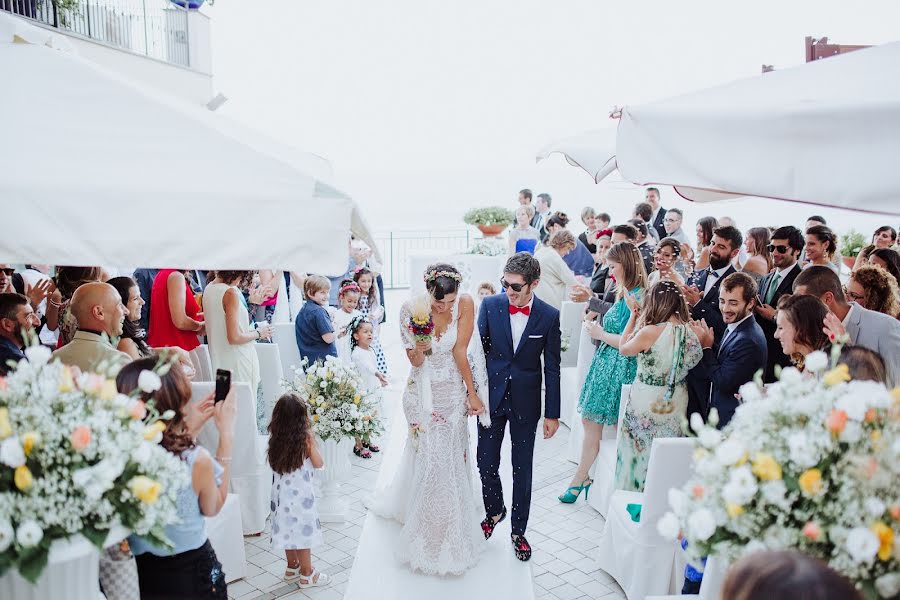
474,268
251,478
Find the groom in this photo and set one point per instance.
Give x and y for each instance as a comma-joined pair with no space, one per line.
516,329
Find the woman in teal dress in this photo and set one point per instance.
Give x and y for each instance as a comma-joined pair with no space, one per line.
659,333
599,401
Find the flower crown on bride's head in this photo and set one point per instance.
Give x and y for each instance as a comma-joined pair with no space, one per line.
433,275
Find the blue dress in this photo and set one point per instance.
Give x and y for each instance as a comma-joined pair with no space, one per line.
599,401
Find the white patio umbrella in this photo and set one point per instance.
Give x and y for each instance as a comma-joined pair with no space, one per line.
592,151
96,170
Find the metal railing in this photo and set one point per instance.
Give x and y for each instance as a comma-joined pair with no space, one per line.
155,28
396,246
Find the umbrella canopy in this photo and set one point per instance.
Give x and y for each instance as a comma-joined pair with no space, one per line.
824,133
593,151
97,170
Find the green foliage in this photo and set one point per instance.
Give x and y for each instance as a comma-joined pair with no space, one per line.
490,215
852,242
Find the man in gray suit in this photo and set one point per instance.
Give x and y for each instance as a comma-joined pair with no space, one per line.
873,330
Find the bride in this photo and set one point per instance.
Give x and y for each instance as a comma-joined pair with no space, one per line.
432,493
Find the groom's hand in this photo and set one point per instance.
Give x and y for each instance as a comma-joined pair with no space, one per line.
550,427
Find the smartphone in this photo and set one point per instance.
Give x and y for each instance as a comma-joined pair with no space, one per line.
223,384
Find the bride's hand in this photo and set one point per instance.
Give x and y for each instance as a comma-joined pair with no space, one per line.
423,347
475,405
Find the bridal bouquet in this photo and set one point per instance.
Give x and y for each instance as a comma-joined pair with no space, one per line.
77,457
812,463
340,405
420,323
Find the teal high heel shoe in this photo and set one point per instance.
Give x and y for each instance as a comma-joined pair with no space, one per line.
571,494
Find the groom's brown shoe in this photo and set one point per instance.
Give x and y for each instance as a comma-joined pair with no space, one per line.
521,547
488,525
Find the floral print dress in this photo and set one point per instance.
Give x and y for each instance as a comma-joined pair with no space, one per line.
657,404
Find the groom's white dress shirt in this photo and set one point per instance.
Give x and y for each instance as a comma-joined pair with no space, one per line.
517,323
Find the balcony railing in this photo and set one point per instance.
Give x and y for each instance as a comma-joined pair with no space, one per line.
155,28
396,246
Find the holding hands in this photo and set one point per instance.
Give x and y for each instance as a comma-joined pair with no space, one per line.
474,404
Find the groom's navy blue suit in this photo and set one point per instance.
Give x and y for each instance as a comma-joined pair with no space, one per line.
514,379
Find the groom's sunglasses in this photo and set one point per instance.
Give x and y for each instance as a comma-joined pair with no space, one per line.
516,287
780,249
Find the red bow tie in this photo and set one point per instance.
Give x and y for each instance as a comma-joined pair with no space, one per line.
525,310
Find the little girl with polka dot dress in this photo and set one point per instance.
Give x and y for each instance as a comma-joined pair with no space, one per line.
293,456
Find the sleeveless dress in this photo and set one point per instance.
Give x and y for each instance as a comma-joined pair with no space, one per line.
240,359
365,309
657,404
295,519
162,330
432,494
599,401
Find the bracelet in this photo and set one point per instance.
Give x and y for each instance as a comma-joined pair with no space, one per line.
258,335
225,460
54,304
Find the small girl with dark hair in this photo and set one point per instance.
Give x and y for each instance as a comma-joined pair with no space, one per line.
372,310
348,303
362,335
293,457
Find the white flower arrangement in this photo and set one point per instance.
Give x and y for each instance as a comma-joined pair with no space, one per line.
489,246
76,460
811,462
340,405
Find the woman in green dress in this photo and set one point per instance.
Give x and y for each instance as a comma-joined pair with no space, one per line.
659,333
599,401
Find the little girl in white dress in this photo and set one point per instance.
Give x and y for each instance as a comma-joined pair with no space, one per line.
361,336
348,297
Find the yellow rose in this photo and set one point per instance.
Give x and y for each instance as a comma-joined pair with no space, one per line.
734,509
743,459
315,418
23,478
886,538
144,489
811,482
837,375
765,467
5,427
151,431
66,382
357,399
108,391
29,441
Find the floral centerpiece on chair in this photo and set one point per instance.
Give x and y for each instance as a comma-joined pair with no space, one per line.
811,462
77,457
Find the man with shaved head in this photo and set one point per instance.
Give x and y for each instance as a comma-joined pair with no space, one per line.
98,309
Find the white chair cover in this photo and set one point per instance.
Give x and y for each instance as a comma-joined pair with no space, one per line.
604,471
251,478
571,316
270,374
570,390
227,538
202,363
639,559
286,340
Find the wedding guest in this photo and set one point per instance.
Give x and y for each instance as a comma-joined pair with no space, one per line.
525,197
672,223
759,261
815,220
556,276
863,364
659,334
523,230
134,339
600,396
192,563
643,243
589,235
313,328
603,221
362,334
657,219
884,237
821,244
59,317
270,280
542,214
144,279
175,317
600,276
17,321
371,309
742,351
799,326
666,255
785,248
785,575
38,286
579,260
232,340
6,282
863,256
873,288
100,314
704,230
485,289
644,212
873,330
348,298
742,256
888,259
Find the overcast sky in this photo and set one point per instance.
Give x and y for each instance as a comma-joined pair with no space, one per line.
412,89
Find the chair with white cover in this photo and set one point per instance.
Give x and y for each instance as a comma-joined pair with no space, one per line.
571,316
270,375
251,478
571,382
635,554
604,470
286,340
227,538
202,363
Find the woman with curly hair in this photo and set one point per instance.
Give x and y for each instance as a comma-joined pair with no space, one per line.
872,287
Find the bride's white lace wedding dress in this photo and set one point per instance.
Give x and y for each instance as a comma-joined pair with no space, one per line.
432,493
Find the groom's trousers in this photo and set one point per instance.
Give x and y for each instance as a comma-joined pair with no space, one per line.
490,441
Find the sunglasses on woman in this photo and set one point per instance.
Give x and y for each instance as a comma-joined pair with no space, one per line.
516,287
780,248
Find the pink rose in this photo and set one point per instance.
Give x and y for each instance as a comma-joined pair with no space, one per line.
812,531
137,410
81,437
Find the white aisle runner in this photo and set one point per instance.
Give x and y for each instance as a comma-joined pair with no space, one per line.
378,576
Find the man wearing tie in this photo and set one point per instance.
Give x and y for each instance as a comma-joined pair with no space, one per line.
742,351
702,295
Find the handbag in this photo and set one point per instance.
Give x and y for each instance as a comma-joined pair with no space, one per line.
118,573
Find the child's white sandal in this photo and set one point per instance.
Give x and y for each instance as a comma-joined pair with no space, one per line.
311,580
292,574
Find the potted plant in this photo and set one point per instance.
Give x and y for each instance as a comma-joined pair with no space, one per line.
852,243
490,220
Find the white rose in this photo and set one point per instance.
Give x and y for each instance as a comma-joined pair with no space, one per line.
668,526
852,404
741,487
348,426
816,361
862,545
149,382
142,453
320,411
701,525
696,422
29,534
11,453
729,452
888,586
121,401
852,432
7,535
37,355
874,507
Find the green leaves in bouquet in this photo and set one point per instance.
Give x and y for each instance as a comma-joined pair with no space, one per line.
95,535
33,560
